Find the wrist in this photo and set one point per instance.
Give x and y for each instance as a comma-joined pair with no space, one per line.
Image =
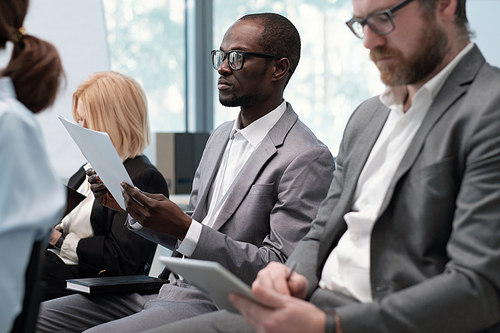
59,242
332,324
187,224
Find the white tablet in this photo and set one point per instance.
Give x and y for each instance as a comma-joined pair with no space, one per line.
210,277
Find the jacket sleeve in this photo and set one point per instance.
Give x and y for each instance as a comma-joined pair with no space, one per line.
302,187
306,251
465,297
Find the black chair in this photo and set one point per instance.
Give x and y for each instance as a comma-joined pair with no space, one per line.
33,294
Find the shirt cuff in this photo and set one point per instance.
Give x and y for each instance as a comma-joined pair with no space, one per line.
131,223
69,245
191,239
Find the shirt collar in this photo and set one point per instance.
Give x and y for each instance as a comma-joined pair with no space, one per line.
257,130
7,87
393,97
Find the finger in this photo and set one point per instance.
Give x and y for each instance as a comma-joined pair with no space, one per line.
135,196
298,285
270,297
274,276
89,172
253,313
95,179
96,187
132,204
99,190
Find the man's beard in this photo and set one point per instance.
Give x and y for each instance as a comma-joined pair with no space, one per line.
234,100
419,65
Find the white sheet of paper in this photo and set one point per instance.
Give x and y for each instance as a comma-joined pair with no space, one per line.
102,155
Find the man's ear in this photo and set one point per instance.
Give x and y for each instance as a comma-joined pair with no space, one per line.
446,9
281,69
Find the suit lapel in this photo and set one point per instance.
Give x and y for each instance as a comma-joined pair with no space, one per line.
362,147
456,85
369,130
211,167
245,182
267,148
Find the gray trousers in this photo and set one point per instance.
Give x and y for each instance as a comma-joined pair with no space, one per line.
226,322
122,313
215,322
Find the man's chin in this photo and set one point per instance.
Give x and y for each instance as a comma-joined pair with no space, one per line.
228,103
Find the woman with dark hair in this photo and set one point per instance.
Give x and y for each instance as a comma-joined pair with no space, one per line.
32,197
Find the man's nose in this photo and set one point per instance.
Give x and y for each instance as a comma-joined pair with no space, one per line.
224,67
371,39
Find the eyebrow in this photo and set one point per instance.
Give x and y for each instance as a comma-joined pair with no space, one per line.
373,12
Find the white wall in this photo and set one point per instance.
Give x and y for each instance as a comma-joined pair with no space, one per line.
77,29
482,16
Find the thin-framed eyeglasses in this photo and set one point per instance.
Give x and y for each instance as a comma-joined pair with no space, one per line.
236,58
380,23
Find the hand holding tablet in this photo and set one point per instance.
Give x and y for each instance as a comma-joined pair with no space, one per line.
211,278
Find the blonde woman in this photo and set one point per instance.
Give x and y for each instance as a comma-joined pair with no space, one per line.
92,240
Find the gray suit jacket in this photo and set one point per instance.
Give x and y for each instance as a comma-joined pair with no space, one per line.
435,248
272,204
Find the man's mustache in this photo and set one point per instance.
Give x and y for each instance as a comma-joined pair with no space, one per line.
380,52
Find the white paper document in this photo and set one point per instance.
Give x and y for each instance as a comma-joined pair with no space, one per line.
102,155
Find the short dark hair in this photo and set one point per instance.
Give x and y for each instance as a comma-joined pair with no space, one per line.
460,14
279,36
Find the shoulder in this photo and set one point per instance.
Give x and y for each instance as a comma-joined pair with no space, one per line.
12,112
219,136
145,175
289,131
222,130
300,134
18,125
139,165
300,143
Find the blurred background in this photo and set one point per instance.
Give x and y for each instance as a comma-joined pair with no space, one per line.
165,45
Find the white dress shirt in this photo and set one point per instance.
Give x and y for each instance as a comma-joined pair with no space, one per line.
347,269
242,143
76,225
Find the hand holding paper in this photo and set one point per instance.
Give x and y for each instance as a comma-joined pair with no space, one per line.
100,191
156,212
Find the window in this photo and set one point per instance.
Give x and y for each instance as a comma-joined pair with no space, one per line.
334,74
146,41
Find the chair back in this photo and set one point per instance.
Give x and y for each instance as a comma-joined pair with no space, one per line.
34,288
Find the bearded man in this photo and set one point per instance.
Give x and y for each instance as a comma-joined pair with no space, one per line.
408,238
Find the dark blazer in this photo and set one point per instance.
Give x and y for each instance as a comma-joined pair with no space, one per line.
435,247
272,204
114,250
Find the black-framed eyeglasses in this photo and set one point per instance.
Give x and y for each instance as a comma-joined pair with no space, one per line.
236,58
380,23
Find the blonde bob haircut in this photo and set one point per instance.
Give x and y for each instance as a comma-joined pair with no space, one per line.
116,104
